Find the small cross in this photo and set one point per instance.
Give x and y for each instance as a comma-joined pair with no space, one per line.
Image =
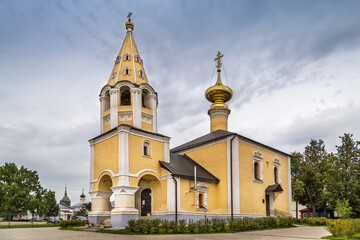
218,59
130,13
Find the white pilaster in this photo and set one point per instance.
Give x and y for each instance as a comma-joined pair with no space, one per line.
100,203
113,108
154,106
124,200
136,94
123,155
101,115
289,186
167,150
236,180
170,195
91,164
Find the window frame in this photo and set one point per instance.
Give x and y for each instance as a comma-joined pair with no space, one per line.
147,143
277,164
258,157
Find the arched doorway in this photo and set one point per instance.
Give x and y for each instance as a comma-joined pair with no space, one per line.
145,202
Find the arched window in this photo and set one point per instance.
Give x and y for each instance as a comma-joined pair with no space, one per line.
125,97
127,57
127,71
145,97
146,149
141,73
256,170
117,60
276,175
201,200
107,101
113,75
137,59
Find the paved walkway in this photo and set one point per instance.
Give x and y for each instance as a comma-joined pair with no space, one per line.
56,234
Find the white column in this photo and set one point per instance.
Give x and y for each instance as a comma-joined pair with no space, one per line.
101,115
167,150
136,96
123,155
124,200
170,195
289,186
154,106
91,164
114,108
100,203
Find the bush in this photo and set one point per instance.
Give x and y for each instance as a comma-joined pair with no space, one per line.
346,227
313,221
71,223
192,226
182,226
219,225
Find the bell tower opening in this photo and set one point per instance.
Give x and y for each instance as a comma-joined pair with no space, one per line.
145,99
125,97
107,101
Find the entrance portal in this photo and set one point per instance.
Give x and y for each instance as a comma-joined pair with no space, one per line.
267,205
145,202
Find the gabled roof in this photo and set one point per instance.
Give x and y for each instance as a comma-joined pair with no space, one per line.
274,188
214,136
183,166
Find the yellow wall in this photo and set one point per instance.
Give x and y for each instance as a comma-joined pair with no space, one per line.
218,122
106,156
252,193
147,126
138,161
214,159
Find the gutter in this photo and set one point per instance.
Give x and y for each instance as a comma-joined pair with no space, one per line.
176,203
231,178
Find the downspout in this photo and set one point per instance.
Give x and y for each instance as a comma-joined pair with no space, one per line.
231,179
176,207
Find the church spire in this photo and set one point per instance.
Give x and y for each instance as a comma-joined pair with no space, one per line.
218,94
128,64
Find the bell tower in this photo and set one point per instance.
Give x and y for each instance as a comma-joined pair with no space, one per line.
127,98
218,94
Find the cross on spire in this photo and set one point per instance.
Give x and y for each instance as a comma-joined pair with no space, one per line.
129,15
218,60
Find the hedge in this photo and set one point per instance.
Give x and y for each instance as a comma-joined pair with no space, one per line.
157,226
314,221
71,223
341,227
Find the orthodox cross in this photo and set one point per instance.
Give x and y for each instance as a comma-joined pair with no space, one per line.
218,59
130,13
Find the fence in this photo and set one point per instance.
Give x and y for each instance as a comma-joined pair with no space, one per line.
13,220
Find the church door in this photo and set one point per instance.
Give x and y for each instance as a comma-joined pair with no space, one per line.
267,205
145,202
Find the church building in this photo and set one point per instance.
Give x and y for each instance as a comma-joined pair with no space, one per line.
221,174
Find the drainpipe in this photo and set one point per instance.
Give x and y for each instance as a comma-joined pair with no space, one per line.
176,207
231,179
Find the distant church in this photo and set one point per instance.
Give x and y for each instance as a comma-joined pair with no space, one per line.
222,173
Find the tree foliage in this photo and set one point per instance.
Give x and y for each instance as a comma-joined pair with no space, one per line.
321,179
21,191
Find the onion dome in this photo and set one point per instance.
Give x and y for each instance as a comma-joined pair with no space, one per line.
218,94
129,24
82,194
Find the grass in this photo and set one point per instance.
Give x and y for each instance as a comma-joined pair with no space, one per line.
354,237
29,226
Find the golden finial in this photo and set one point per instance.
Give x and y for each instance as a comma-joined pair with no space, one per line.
129,25
129,15
218,60
218,94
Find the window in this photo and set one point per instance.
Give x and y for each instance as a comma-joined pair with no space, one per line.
147,149
257,170
201,200
107,101
145,97
276,175
305,215
127,57
141,73
277,170
113,75
127,71
310,214
258,167
138,59
117,60
125,97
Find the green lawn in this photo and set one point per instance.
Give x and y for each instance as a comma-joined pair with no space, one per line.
356,236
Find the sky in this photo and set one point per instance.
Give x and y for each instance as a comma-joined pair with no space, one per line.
293,66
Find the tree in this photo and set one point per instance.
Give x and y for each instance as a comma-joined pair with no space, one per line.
343,177
308,175
343,208
20,191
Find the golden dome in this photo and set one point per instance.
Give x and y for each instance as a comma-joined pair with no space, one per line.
218,94
129,24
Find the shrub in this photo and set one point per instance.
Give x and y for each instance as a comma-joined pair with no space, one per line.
174,227
192,226
71,223
219,225
343,208
165,225
182,226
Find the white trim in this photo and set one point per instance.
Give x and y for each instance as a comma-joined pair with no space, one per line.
167,151
149,135
150,148
178,193
167,176
259,146
106,170
133,58
136,96
277,163
122,56
258,156
141,171
154,107
101,115
289,186
91,166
